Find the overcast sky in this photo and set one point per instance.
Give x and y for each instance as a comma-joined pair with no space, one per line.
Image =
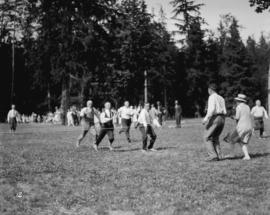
252,23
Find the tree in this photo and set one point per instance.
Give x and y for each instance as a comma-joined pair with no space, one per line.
260,5
188,11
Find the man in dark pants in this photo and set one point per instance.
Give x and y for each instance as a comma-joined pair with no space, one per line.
125,114
178,113
214,120
145,127
106,120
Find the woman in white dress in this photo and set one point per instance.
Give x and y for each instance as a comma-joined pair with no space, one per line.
243,130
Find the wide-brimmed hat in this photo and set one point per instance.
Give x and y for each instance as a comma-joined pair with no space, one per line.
241,98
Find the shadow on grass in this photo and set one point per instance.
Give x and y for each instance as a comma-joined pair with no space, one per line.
138,149
257,155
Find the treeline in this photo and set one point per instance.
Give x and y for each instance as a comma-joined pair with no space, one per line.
70,51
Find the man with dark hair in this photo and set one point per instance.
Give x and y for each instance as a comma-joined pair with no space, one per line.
214,121
106,120
144,123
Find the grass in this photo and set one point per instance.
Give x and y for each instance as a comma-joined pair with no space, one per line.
43,173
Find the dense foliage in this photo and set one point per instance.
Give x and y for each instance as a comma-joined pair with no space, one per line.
69,51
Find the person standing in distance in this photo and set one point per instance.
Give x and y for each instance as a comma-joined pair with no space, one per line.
12,119
106,120
178,114
88,115
126,114
214,122
145,127
258,112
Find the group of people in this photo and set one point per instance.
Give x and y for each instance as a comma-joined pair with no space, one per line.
145,118
102,124
214,122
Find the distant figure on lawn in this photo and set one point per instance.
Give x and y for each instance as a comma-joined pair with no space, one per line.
89,117
160,113
214,121
145,127
107,128
243,130
126,114
178,114
154,116
258,112
12,118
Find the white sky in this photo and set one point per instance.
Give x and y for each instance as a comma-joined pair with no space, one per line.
253,24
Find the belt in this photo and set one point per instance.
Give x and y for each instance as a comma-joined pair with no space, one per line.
219,114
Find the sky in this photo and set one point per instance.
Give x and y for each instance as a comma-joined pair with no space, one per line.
252,23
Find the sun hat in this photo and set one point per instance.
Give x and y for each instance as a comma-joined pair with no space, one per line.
241,98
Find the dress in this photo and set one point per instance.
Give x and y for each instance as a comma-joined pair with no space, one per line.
243,130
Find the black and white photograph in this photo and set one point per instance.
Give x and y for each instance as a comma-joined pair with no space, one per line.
134,107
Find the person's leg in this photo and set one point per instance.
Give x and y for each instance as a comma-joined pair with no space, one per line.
102,133
152,135
123,126
80,138
245,151
127,131
110,135
144,137
212,133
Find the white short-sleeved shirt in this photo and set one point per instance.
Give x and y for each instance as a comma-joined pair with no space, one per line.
125,113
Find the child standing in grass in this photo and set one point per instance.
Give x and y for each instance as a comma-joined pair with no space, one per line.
243,130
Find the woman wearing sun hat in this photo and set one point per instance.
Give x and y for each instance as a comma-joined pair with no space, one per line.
243,130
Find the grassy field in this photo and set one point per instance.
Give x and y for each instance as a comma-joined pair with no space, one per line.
43,173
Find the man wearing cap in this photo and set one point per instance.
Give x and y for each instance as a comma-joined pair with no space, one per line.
214,121
89,115
107,128
125,114
259,113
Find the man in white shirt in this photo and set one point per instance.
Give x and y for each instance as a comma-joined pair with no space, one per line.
12,118
106,120
125,114
214,121
88,117
144,123
258,112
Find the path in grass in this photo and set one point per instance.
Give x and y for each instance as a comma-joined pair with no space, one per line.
43,173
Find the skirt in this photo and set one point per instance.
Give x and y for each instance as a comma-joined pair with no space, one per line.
234,137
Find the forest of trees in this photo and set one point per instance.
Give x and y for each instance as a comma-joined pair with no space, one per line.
69,51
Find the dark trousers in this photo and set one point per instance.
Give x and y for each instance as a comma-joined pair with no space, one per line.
178,120
103,132
147,131
259,125
126,123
13,124
213,130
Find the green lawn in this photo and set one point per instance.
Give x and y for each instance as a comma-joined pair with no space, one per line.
43,173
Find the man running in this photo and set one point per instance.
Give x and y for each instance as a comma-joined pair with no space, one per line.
88,121
214,120
107,128
125,114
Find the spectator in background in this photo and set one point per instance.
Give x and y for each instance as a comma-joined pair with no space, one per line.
160,113
12,118
178,114
259,113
